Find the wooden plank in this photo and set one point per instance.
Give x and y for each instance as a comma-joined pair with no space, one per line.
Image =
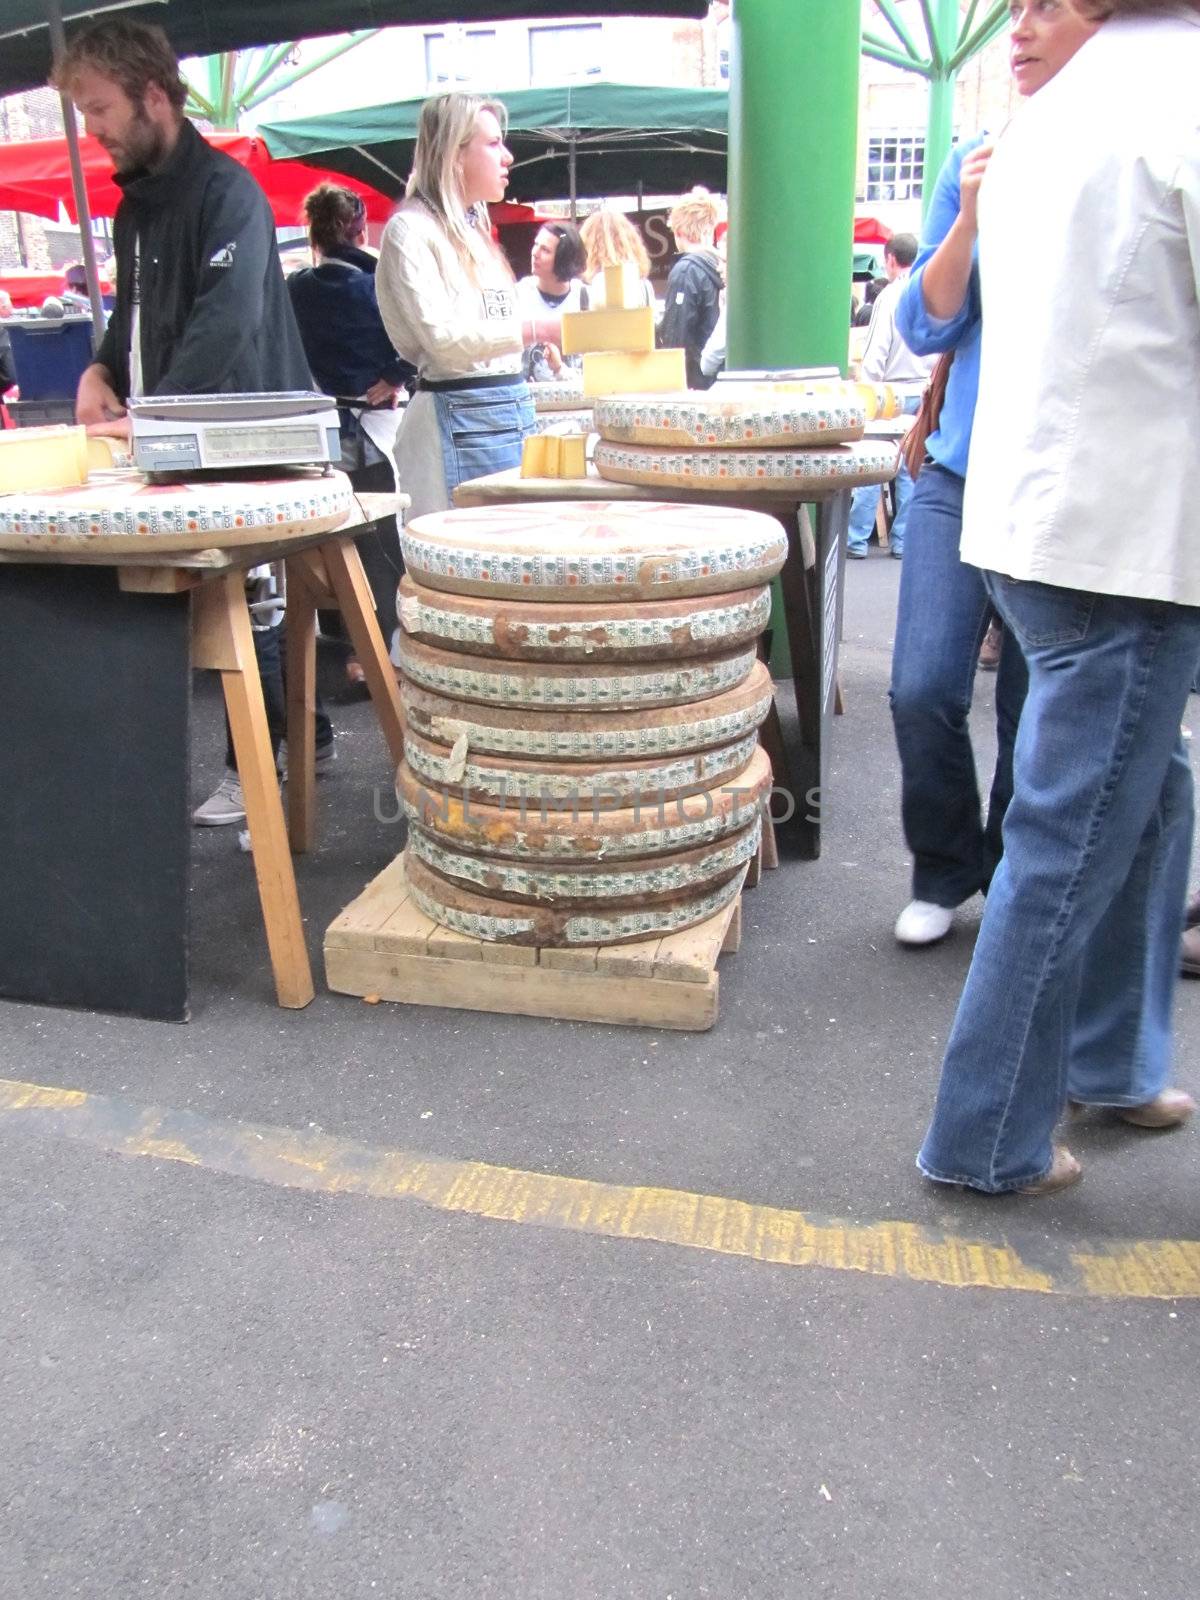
300,644
582,959
524,991
379,901
264,810
754,869
628,960
509,955
770,846
451,946
690,955
155,580
406,931
733,933
213,647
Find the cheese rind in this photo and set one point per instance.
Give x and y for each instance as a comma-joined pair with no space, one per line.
620,329
622,372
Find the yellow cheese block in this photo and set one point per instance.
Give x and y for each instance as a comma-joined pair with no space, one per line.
622,287
533,456
42,458
608,329
647,372
572,455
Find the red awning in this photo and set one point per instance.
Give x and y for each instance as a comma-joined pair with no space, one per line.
36,176
869,230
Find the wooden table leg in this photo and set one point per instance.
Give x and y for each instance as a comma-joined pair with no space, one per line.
349,584
300,636
222,639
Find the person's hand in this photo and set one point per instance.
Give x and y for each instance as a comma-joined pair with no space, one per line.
96,400
382,393
114,428
554,358
970,178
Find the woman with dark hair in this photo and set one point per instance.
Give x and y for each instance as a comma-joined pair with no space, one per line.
558,259
352,359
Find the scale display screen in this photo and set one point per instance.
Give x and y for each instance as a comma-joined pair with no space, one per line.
227,446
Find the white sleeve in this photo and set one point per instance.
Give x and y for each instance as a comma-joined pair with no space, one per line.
1188,180
419,309
880,340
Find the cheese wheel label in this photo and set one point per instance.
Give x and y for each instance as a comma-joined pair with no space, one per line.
730,471
731,416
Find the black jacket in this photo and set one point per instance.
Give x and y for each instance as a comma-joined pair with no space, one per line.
692,301
215,316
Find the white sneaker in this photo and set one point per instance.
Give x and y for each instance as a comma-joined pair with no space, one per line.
224,805
921,922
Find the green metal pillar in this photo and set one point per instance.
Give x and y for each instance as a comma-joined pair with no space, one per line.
939,132
793,134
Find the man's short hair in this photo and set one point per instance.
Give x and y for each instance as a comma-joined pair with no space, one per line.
902,247
695,216
133,54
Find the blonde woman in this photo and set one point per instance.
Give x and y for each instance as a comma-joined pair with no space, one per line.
611,240
449,304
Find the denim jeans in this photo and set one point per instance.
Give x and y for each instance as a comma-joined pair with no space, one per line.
1071,985
863,505
482,429
942,618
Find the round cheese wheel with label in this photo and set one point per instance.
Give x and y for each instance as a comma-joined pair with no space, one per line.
500,921
520,630
573,831
590,886
584,551
596,736
725,471
497,780
733,417
572,684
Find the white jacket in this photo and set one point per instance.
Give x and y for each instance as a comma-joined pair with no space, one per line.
1085,458
447,323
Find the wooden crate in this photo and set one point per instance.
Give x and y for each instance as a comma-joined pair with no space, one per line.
382,944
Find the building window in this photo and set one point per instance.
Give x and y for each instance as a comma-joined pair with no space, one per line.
559,54
459,56
895,166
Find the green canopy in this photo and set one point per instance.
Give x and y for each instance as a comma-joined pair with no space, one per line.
203,27
587,138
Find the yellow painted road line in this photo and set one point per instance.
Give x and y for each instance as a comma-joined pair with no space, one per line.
1118,1269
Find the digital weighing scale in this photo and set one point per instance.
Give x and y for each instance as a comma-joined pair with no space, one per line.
223,432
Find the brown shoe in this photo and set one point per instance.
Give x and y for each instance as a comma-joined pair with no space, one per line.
1064,1171
1189,953
1167,1110
989,651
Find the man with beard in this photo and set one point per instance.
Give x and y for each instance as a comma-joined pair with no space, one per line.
201,303
202,307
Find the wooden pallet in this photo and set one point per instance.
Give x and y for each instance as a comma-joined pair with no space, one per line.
383,945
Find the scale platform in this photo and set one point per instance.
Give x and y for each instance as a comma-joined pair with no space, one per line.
176,433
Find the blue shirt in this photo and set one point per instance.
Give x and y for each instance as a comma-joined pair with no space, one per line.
950,443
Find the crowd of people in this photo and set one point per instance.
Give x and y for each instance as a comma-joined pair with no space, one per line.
1044,335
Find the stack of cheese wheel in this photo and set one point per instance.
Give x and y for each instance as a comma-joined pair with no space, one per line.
560,407
737,437
582,696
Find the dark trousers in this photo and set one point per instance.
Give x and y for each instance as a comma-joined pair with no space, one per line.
268,648
379,549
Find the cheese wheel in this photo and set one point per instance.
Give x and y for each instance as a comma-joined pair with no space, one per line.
564,395
592,886
525,631
499,921
496,779
730,416
736,471
548,684
594,736
128,514
594,550
534,831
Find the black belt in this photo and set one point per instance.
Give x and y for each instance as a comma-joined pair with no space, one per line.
485,380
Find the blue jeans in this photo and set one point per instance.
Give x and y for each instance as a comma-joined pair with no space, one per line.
863,505
1074,973
942,618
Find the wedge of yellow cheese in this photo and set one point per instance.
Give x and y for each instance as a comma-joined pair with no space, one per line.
608,329
533,456
572,455
622,372
42,459
622,287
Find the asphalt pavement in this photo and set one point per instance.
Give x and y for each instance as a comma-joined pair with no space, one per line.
221,1384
